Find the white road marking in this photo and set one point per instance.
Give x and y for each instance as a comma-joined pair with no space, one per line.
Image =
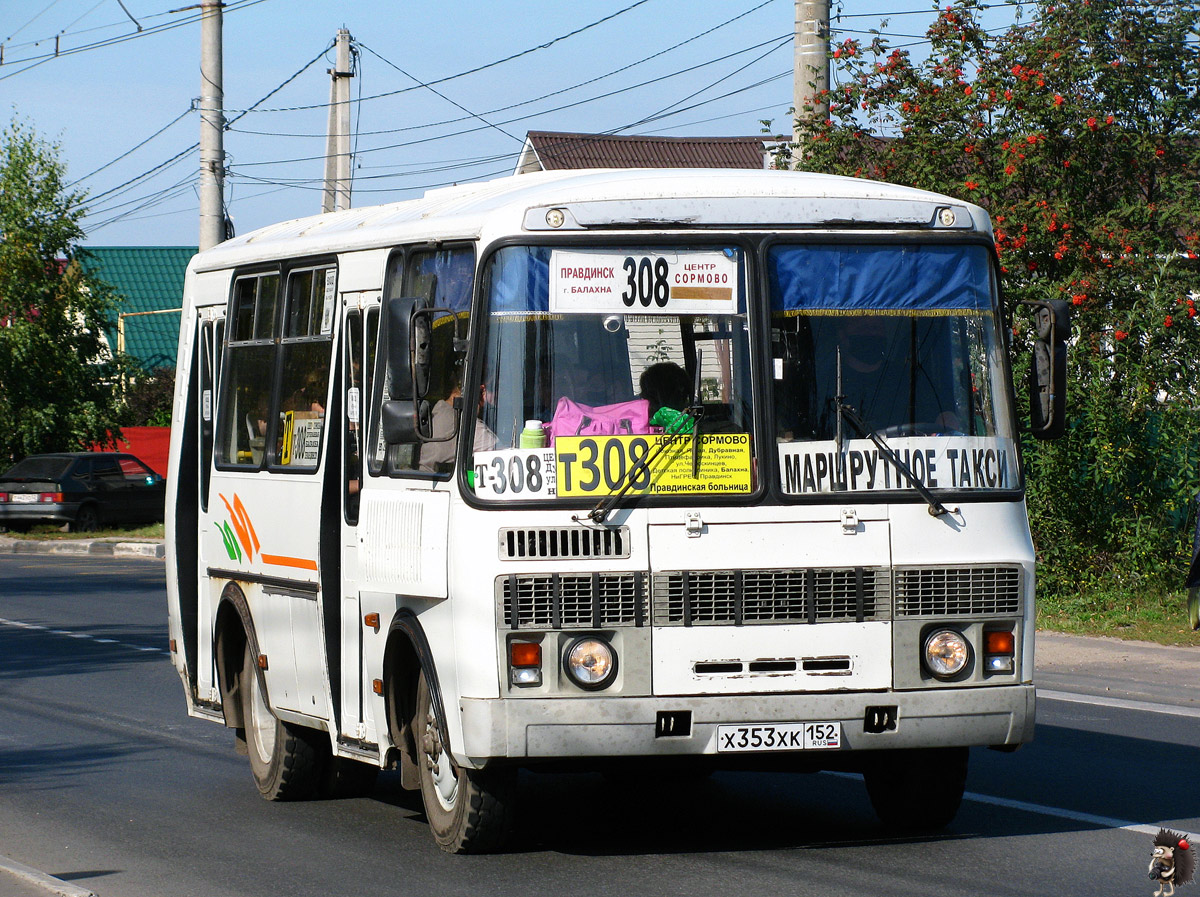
1074,816
1057,812
83,635
1119,703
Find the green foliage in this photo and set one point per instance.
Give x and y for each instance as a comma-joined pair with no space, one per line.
1077,130
57,378
148,398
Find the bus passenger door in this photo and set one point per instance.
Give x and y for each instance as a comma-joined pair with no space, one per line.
358,353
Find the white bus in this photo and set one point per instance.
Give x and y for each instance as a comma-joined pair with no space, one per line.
645,470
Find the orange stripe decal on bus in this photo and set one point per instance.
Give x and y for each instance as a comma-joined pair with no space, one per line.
280,560
239,518
241,509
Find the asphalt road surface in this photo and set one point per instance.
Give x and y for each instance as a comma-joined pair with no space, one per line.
106,784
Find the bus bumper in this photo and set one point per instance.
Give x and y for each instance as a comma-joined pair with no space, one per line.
629,727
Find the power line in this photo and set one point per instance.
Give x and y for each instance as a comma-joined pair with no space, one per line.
66,32
45,10
696,93
438,93
475,70
164,165
538,99
129,152
34,61
560,108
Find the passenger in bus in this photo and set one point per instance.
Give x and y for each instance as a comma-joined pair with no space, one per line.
438,457
665,385
310,397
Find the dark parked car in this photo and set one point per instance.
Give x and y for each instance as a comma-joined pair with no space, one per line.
82,489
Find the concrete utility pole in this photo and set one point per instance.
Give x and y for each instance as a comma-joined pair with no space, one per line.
212,127
811,71
337,141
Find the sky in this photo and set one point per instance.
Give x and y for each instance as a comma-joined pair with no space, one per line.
443,92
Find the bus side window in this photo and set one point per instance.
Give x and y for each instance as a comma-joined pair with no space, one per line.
245,390
305,349
444,277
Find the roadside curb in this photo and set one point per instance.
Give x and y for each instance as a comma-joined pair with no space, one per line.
32,878
85,547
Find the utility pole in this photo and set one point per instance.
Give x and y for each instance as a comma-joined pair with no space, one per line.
212,127
810,85
337,140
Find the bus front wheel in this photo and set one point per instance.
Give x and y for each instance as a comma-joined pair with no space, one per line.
286,760
469,810
917,790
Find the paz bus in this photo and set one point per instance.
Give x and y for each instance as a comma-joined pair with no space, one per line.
639,470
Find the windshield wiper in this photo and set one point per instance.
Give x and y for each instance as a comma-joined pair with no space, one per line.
689,418
936,508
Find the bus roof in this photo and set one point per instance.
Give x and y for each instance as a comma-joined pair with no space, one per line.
637,199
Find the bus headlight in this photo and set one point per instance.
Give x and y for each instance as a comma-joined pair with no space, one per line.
591,663
947,653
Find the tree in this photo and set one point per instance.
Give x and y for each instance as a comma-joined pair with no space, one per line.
57,378
1077,131
148,398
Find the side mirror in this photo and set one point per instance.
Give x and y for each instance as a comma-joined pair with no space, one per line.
407,331
402,351
403,421
1048,370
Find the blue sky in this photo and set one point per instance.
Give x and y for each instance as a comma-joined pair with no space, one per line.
670,67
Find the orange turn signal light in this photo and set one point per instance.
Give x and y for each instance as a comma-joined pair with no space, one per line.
998,642
525,654
372,620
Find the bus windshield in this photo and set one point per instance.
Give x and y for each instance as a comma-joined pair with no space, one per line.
898,341
615,368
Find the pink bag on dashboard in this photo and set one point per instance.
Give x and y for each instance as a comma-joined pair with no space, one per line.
572,418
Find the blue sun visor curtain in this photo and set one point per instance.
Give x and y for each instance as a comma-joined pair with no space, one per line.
892,279
520,279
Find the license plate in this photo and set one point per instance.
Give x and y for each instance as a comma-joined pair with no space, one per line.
23,498
779,737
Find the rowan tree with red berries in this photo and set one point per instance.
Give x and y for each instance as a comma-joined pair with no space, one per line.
1076,128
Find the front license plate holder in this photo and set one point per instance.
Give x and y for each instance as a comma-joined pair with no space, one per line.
810,736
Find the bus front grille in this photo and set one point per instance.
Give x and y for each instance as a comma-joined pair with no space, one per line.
745,597
570,600
958,591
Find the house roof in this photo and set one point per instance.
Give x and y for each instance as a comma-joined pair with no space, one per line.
555,150
147,278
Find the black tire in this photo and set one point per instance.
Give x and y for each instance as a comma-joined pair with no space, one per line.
287,761
917,790
469,810
87,520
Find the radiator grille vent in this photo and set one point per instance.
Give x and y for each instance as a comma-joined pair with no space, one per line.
958,591
567,600
532,543
770,596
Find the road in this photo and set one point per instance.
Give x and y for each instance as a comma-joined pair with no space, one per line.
105,783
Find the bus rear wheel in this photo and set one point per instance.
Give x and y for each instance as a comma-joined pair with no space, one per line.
917,790
286,760
469,810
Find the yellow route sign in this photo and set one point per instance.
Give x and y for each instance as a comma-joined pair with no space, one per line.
593,466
